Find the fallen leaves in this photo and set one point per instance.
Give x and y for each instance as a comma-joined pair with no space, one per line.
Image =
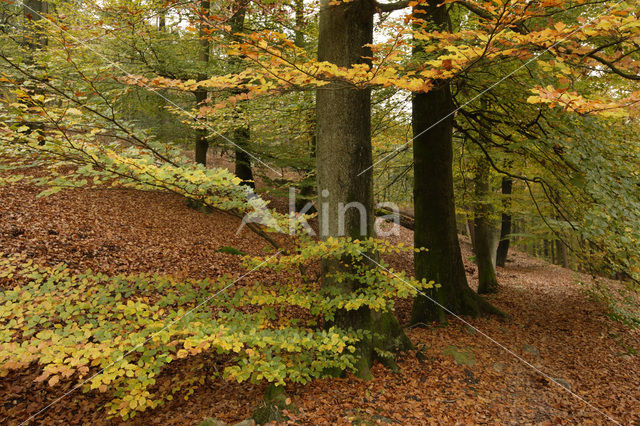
124,230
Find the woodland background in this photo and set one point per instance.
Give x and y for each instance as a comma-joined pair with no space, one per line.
137,135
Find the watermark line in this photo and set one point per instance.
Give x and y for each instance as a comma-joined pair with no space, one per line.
151,89
145,341
535,57
491,339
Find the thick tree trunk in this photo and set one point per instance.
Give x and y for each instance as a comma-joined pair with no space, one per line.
487,280
435,219
505,227
343,117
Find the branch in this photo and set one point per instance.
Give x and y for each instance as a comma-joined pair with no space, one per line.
482,13
613,68
475,9
390,7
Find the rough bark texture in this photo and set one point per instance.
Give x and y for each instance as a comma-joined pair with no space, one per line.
505,226
435,219
343,116
343,151
487,280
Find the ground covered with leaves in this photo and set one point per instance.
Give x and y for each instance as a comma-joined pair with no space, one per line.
468,372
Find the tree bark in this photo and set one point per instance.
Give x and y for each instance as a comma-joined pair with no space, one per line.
307,186
202,144
35,39
561,251
162,19
241,135
487,280
34,11
343,117
435,219
505,226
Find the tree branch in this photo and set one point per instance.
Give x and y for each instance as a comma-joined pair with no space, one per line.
390,7
613,68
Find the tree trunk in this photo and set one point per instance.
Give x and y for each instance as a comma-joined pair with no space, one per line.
505,226
34,40
343,117
241,135
299,18
34,11
435,219
561,251
545,250
202,144
162,19
307,186
487,280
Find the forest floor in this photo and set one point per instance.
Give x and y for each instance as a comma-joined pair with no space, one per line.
466,372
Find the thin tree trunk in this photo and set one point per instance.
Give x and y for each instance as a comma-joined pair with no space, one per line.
435,218
35,39
487,280
561,253
162,20
242,134
307,187
546,250
343,117
202,144
299,18
505,226
34,11
241,137
472,231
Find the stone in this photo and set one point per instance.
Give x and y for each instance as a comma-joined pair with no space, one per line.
565,384
212,422
531,349
462,356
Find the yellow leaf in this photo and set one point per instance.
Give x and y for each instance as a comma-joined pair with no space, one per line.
53,380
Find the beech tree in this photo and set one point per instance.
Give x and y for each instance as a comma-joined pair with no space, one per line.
343,152
435,219
512,79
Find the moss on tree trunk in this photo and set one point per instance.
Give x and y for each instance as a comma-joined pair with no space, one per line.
505,226
343,163
435,219
484,249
